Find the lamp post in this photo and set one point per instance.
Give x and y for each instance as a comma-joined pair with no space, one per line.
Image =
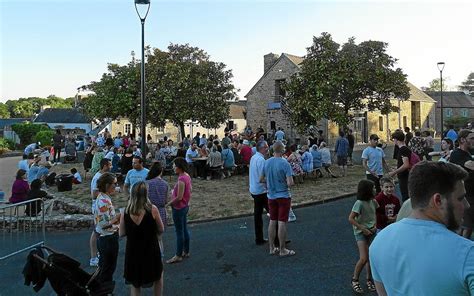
142,91
440,68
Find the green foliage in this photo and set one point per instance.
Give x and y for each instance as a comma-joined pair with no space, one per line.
4,113
7,144
456,121
435,85
27,107
27,131
44,137
335,80
181,84
468,84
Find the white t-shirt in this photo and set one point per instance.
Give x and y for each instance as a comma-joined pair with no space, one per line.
78,177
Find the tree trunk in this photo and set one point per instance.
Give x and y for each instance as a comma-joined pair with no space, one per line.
181,130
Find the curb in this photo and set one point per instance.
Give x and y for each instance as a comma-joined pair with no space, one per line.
301,205
11,154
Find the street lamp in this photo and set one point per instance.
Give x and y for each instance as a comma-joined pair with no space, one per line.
440,68
142,92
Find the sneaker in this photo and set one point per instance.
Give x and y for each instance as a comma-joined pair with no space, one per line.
291,216
94,262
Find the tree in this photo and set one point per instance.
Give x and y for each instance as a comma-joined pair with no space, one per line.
27,131
335,80
27,107
468,85
181,84
435,85
4,113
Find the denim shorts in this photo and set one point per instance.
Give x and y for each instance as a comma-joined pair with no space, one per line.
363,237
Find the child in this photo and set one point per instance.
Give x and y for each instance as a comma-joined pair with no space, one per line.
362,218
77,177
389,204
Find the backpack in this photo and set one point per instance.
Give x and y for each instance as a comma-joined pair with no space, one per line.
414,159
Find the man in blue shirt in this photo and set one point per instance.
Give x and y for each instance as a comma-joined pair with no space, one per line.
258,190
422,254
278,176
342,146
118,140
373,160
138,173
279,134
30,148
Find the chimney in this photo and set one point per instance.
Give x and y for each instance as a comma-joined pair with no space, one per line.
268,61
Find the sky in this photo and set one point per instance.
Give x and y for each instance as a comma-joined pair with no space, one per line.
55,46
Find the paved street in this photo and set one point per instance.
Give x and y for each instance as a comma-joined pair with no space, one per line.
224,260
8,168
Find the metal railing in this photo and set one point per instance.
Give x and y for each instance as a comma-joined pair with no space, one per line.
16,224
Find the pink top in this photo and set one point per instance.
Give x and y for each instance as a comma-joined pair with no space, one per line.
246,153
20,190
187,192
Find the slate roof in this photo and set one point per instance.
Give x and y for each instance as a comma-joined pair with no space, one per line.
295,59
452,99
418,95
11,121
62,115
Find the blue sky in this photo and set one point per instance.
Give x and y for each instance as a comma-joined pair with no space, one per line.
52,47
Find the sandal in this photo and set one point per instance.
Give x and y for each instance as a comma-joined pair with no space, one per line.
371,285
274,251
288,253
174,259
356,287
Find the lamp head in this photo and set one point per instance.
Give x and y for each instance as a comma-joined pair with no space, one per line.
441,66
142,1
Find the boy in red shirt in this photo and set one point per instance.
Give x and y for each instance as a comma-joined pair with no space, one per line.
389,204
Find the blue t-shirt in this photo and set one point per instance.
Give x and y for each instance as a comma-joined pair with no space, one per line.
23,165
307,162
134,176
118,142
280,135
276,170
190,154
451,134
32,173
317,162
421,257
228,158
374,158
342,145
30,148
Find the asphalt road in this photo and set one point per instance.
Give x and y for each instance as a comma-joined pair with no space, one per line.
225,261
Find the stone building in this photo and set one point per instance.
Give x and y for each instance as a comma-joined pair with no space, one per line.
266,107
455,104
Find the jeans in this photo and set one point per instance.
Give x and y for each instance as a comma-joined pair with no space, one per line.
181,228
108,247
376,181
260,202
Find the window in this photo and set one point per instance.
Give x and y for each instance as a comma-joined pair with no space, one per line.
161,129
127,129
272,125
464,112
279,91
381,123
448,112
230,124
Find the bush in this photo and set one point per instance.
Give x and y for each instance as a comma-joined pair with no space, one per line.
456,121
7,144
27,131
44,137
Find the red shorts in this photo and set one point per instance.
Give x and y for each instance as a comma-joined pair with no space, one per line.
279,209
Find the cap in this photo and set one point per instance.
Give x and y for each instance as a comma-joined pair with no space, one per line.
246,142
374,137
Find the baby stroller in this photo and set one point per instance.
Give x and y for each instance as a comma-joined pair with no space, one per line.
64,274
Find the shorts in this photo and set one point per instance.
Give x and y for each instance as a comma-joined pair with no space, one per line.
341,160
468,219
279,209
367,238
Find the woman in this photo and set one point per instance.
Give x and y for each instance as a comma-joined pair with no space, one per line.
141,223
158,192
106,225
180,207
126,161
295,161
98,156
20,187
88,157
447,147
228,160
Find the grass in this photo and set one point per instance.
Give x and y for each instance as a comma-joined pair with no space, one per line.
229,197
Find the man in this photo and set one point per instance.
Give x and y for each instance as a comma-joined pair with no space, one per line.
203,140
403,163
118,142
105,166
279,134
246,152
258,190
351,140
278,175
408,135
373,160
197,138
137,174
30,148
24,164
342,145
191,154
460,156
421,254
451,134
58,142
137,151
